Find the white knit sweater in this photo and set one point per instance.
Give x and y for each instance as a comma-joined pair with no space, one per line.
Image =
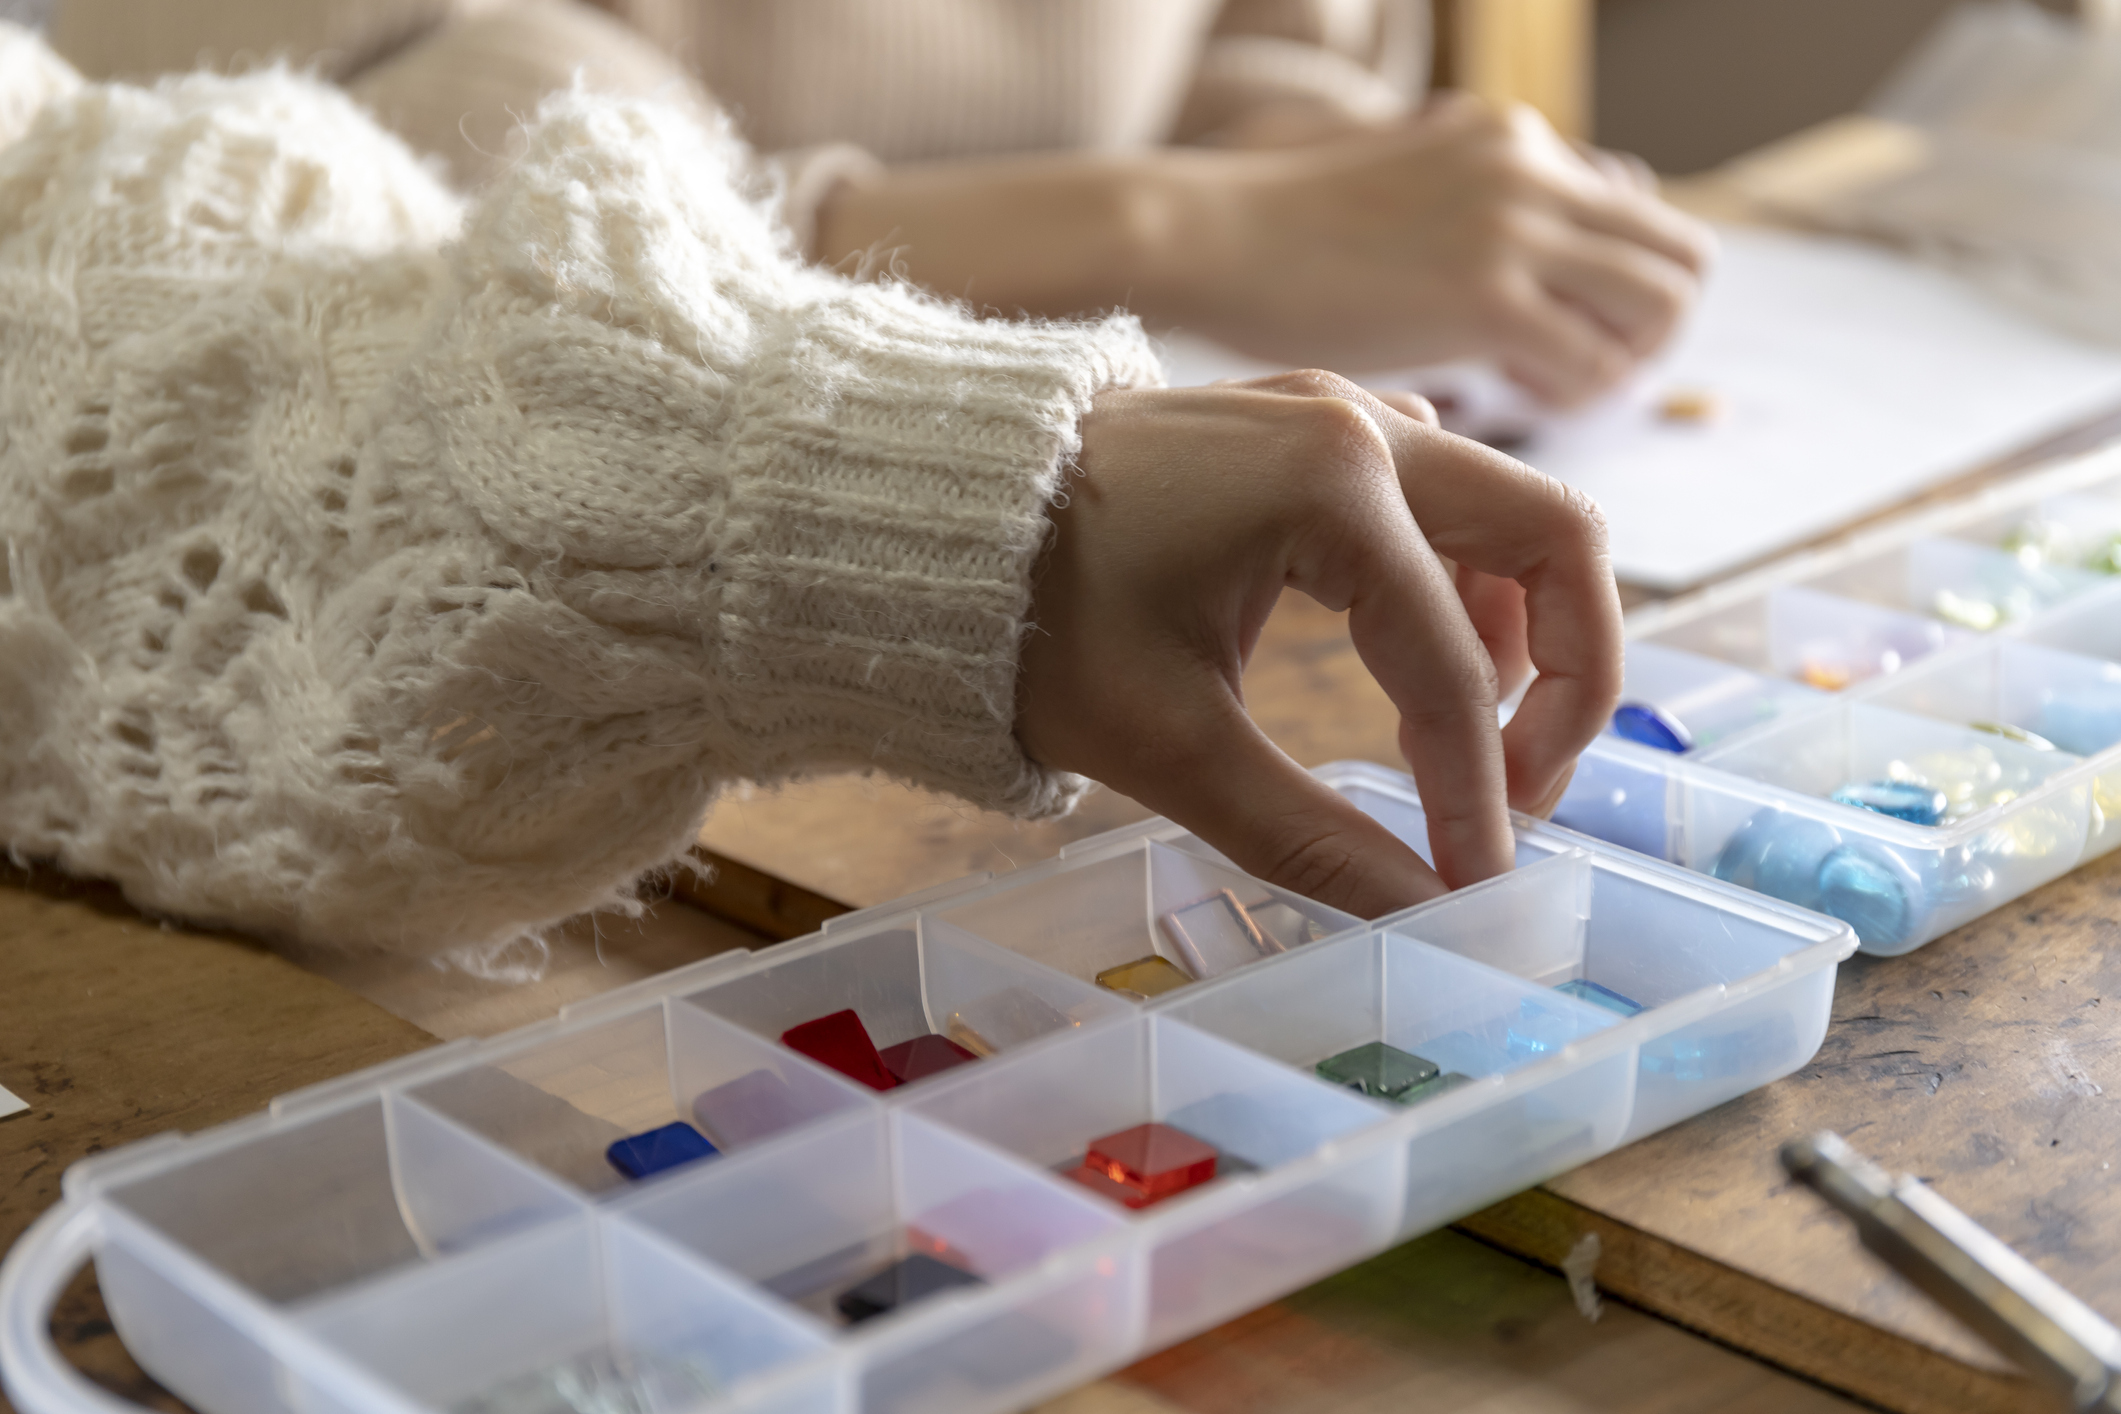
386,572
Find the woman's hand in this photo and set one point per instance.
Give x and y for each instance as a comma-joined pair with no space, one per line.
1196,507
1468,231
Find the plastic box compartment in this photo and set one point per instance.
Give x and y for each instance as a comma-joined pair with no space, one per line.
560,1101
911,977
1094,910
467,1333
805,1221
1805,636
409,1237
1206,1259
1752,804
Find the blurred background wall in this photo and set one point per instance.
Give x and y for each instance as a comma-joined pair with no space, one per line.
1688,83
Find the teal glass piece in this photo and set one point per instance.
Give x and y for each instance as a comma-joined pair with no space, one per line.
1583,989
1778,854
1903,800
1375,1069
1872,891
1538,1031
1442,1084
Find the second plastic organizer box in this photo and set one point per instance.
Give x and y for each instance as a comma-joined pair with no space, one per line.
1904,733
923,1161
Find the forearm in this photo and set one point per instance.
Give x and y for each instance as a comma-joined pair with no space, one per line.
1053,235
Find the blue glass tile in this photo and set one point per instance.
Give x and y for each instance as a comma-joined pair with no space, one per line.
1583,989
658,1149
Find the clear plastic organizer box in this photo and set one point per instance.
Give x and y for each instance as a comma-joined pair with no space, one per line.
1974,652
443,1232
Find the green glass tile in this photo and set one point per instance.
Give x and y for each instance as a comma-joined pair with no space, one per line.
1375,1069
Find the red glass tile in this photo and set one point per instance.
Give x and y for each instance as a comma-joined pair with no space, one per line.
842,1042
1096,1181
923,1056
1154,1159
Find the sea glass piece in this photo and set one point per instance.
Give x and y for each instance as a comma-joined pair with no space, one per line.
2083,720
1972,778
922,1057
1143,978
842,1042
1903,800
1827,677
1583,989
1375,1069
1429,1089
746,1109
1967,610
1647,724
2104,557
1156,1160
969,1036
2032,741
1778,853
902,1283
639,1155
600,1384
1008,1017
1214,934
1872,891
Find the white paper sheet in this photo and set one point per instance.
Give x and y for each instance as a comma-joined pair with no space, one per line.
10,1104
1850,377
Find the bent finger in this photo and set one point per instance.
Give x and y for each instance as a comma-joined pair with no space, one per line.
1557,353
1367,555
1629,214
1277,822
1499,517
1635,294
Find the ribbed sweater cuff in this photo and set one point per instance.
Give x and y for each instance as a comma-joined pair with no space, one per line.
885,520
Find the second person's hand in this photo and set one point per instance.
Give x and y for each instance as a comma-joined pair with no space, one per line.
1468,231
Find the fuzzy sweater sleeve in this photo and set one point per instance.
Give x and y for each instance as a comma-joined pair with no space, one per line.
382,572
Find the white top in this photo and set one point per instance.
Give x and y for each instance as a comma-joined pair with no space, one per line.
386,570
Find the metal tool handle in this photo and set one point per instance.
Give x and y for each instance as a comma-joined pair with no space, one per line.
1967,1270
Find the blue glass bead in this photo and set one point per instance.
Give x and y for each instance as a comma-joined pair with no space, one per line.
1778,854
1583,989
1647,724
643,1154
2084,720
1873,891
1903,800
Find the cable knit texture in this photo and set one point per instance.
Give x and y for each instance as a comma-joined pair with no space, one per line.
387,572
